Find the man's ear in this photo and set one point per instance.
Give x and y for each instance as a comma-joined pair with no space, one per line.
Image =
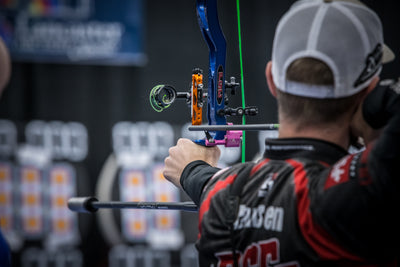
373,84
270,80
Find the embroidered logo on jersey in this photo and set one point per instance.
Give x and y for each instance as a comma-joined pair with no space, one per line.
267,185
342,171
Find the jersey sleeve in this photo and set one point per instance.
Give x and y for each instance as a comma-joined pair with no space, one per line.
382,109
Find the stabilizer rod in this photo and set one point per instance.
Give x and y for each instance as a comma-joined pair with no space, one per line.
237,127
91,204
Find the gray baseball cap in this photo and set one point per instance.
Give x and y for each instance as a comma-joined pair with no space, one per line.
344,34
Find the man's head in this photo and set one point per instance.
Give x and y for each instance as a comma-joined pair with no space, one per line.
324,54
5,66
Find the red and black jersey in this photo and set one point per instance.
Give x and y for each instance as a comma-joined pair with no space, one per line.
306,203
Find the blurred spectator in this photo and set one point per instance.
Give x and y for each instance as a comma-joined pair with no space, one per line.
5,72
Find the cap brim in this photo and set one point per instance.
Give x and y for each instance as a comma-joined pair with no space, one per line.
388,54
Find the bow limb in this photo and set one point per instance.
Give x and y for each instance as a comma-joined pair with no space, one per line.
207,14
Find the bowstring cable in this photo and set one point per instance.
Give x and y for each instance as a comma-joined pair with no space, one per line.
241,80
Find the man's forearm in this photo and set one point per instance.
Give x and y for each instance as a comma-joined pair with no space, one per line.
382,109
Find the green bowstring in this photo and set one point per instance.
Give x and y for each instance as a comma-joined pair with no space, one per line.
241,80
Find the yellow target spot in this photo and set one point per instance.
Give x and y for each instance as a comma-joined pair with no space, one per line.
3,199
161,176
30,176
31,199
135,180
4,223
137,226
3,175
163,221
61,225
60,202
59,178
163,198
32,223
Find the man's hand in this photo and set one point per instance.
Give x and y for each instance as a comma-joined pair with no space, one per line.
185,152
359,127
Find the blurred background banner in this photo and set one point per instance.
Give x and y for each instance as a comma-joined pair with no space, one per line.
74,31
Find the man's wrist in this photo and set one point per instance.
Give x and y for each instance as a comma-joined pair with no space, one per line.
189,168
195,176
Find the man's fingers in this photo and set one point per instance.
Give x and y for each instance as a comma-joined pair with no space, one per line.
185,152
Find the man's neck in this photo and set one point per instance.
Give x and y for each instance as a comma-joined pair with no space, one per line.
337,134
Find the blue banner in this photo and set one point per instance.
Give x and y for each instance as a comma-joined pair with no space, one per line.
99,32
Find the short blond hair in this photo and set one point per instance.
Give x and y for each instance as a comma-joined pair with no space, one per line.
308,110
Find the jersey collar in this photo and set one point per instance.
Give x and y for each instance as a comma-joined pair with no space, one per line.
313,149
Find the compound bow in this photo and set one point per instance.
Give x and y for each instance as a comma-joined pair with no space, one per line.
162,96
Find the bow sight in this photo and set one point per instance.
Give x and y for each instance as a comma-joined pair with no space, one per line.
162,96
